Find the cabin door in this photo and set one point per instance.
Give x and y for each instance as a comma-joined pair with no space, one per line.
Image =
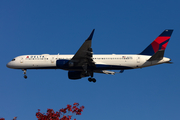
138,59
21,61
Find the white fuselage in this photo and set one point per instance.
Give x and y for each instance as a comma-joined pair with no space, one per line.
46,61
84,63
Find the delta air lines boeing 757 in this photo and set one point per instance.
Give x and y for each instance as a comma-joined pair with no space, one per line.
84,63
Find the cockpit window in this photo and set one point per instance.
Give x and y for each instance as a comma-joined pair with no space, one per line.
13,59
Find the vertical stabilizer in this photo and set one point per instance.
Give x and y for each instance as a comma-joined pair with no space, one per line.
159,43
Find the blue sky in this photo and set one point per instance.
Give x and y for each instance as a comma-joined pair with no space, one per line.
61,26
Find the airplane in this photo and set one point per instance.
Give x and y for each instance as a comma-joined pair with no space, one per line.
84,63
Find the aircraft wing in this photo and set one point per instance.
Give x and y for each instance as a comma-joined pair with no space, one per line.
83,56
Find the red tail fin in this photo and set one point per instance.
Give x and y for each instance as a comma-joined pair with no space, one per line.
159,43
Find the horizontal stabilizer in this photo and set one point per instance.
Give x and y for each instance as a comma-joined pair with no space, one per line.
108,72
157,56
105,72
169,62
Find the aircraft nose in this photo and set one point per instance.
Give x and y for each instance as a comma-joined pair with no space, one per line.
9,65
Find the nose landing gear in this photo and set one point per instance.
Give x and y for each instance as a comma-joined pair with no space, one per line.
25,76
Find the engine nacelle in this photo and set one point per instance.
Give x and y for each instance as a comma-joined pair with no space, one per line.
74,75
62,63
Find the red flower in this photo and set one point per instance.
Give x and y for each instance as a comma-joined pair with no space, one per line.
69,108
77,104
62,114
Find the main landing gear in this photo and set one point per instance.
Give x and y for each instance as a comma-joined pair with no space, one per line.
25,76
92,79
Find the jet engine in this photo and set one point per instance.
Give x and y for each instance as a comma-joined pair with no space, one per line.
74,75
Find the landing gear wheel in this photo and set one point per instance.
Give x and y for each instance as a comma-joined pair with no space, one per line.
92,80
25,76
89,79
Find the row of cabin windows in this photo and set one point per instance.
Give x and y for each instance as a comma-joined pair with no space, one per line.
69,58
100,58
108,58
114,58
36,58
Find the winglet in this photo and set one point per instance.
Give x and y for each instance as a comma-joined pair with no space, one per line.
91,35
